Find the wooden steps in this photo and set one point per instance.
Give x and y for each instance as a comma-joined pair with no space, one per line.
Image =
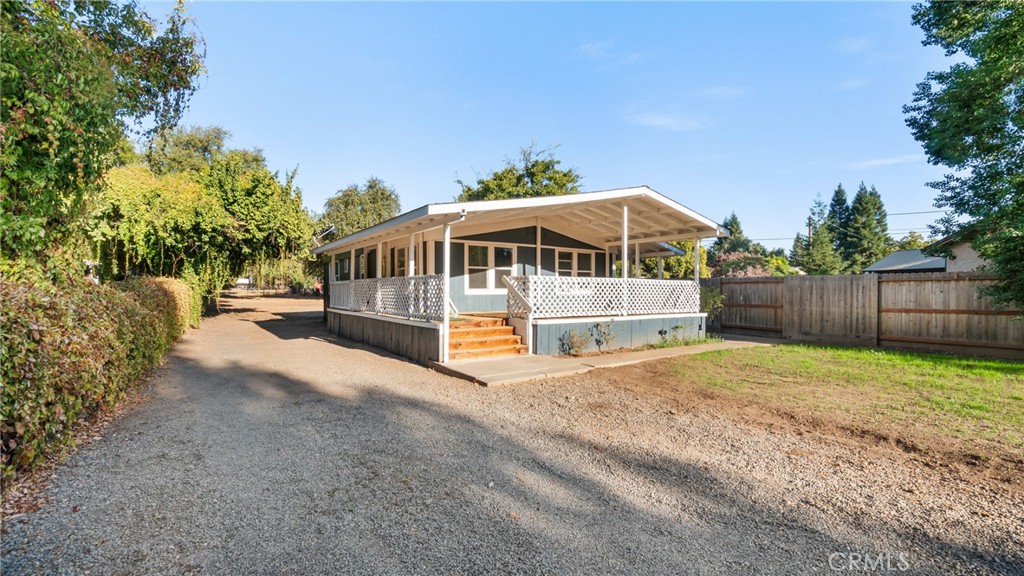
481,337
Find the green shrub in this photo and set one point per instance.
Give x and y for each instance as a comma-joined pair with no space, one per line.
573,343
68,351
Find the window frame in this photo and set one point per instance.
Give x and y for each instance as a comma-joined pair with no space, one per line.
575,271
494,285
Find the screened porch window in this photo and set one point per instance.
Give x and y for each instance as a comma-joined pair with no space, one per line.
342,267
486,265
575,263
400,262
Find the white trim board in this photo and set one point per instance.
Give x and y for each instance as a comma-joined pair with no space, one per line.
420,323
581,319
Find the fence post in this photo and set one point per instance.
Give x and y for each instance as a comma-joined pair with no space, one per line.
878,310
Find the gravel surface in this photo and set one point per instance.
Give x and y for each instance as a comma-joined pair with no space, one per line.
266,446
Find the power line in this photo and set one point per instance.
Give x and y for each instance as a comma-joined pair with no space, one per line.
925,212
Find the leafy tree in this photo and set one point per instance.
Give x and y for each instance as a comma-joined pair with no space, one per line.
742,264
912,241
868,230
158,225
357,207
190,150
75,76
269,219
535,174
677,266
970,118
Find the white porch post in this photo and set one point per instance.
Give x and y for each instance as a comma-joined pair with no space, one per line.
625,240
538,268
636,260
661,268
353,271
380,274
625,255
410,256
696,260
447,276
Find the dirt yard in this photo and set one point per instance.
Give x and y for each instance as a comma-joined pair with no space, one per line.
266,446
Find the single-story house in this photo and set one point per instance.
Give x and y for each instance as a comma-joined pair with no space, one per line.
961,257
467,279
902,261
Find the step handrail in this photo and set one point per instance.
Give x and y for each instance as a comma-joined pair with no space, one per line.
515,293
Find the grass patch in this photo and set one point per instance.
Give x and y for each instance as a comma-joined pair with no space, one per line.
933,395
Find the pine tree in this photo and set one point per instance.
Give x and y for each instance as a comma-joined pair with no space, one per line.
820,255
868,230
838,220
737,241
798,251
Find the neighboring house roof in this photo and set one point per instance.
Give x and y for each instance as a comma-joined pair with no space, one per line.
908,261
595,217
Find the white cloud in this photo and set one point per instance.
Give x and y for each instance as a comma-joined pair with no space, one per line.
890,161
607,52
667,121
850,84
594,50
632,57
853,44
724,92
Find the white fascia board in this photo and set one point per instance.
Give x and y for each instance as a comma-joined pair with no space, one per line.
672,250
368,232
655,195
538,202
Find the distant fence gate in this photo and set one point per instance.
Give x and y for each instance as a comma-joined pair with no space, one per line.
929,311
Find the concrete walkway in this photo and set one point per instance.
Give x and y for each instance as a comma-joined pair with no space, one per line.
513,369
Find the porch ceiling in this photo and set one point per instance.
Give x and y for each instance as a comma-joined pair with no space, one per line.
594,217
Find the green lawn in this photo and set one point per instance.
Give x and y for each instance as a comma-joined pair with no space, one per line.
926,395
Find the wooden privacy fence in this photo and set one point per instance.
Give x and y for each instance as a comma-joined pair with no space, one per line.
933,311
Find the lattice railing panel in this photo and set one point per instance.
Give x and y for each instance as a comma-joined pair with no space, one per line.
413,297
567,297
340,295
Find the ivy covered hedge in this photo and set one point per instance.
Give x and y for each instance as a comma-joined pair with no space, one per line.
70,350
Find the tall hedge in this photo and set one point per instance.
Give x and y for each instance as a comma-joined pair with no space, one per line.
68,351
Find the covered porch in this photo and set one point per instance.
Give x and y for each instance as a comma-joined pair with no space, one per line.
543,265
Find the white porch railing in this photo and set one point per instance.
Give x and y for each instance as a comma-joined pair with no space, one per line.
412,297
569,297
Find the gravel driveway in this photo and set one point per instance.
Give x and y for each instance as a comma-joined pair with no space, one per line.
265,446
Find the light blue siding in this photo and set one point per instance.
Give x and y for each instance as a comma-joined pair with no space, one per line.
629,333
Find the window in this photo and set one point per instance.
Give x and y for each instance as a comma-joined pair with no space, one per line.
400,262
342,267
477,266
487,265
570,263
584,264
565,263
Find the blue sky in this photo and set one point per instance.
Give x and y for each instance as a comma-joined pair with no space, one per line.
752,107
